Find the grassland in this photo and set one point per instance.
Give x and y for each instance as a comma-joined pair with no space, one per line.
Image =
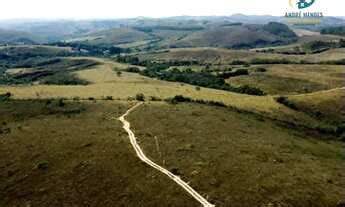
328,105
105,82
225,56
290,79
118,36
239,36
240,161
75,155
253,151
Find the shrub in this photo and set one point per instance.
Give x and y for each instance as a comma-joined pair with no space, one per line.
61,103
246,65
235,73
260,70
259,61
109,98
48,102
5,97
133,70
246,89
178,99
201,79
197,88
140,97
63,79
118,73
326,129
239,62
154,98
42,165
340,129
286,102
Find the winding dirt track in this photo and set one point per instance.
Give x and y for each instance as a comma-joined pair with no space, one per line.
142,156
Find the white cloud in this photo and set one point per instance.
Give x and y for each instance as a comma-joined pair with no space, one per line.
81,9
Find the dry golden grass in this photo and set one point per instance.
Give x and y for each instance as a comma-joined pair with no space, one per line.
240,161
106,82
303,32
14,71
224,56
331,104
294,79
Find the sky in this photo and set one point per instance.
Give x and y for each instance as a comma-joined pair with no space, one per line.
100,9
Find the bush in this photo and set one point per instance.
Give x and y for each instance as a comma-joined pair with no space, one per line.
180,99
60,103
5,97
259,61
326,129
286,102
235,73
63,79
246,89
133,70
340,30
201,79
154,98
340,129
119,73
260,70
109,98
246,65
239,62
43,165
140,97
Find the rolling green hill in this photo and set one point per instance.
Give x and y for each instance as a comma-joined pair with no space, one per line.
239,36
115,36
18,37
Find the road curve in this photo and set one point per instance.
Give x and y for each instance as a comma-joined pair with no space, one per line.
142,156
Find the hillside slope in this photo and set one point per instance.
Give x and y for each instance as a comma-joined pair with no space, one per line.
239,36
18,37
115,37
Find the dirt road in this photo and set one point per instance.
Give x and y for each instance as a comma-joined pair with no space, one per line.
142,156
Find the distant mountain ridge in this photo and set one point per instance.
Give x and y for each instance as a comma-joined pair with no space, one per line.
179,31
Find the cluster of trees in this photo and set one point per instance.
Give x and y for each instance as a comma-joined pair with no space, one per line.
203,79
279,29
334,30
262,61
234,73
42,67
321,46
97,50
134,60
181,99
286,102
63,79
5,97
173,28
